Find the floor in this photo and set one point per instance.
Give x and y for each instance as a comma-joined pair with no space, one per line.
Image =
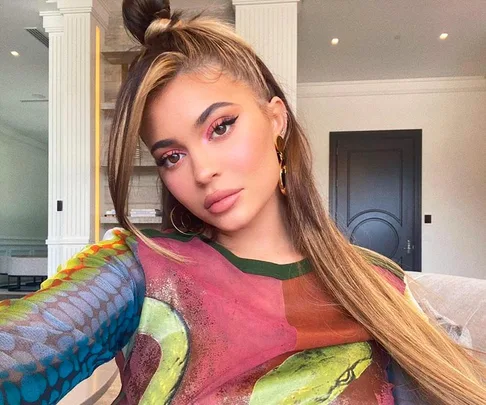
111,394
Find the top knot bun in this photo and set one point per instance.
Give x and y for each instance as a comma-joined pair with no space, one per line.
139,14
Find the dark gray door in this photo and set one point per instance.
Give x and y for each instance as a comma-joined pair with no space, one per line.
375,191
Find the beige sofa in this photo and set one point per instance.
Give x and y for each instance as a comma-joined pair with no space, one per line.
459,304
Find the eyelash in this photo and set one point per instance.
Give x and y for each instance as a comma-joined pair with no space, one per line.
161,162
229,121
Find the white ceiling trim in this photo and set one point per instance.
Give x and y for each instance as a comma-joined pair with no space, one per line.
98,8
391,87
52,21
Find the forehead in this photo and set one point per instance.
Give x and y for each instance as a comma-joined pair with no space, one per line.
190,94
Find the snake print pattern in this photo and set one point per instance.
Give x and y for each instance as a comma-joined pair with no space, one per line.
54,338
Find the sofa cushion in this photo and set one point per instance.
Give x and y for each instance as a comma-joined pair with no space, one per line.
28,266
457,303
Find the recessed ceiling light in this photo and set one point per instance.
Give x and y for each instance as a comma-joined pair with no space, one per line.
444,35
15,53
335,41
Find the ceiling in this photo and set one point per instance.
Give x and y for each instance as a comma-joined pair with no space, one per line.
378,39
383,39
25,75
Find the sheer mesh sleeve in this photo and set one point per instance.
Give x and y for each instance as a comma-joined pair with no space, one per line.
56,337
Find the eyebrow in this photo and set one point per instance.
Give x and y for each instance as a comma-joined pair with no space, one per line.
208,111
165,143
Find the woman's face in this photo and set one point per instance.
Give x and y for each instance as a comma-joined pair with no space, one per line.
214,146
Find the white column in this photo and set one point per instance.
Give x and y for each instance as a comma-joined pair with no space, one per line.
53,24
73,127
270,26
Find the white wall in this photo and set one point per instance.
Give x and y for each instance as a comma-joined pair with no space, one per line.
23,190
452,116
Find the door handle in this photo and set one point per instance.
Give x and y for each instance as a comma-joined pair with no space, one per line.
409,247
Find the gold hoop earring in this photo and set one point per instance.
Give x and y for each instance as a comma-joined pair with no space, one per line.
187,228
282,182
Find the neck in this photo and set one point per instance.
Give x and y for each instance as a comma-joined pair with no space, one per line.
266,237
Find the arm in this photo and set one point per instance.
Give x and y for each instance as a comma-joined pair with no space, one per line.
54,338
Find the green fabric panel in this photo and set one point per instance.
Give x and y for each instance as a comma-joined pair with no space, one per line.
153,233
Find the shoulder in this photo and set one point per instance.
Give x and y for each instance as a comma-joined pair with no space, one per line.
393,273
120,238
382,262
118,247
117,243
114,258
390,271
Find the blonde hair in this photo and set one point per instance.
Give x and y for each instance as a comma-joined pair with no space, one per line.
443,371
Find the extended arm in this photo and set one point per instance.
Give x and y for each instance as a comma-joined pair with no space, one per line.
54,338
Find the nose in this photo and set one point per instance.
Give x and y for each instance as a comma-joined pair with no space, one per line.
204,167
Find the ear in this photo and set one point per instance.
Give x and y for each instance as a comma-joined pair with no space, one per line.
278,116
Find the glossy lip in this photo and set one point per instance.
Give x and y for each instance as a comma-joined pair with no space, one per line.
218,196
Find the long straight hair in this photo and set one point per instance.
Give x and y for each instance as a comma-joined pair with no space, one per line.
443,371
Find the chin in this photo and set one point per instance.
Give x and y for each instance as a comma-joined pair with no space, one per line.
230,222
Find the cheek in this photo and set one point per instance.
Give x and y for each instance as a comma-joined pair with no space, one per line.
253,154
244,158
177,187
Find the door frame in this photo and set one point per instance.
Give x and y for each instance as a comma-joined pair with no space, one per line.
416,136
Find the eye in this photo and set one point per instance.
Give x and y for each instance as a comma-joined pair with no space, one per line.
222,128
170,159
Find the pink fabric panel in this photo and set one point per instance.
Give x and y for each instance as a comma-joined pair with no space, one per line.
236,320
392,279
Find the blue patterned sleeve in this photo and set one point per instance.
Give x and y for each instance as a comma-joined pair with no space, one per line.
56,337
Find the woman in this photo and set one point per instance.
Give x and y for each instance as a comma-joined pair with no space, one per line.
250,295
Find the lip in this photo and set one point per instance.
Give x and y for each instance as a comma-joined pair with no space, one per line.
218,196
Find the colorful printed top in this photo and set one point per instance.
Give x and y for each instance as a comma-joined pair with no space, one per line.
217,329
